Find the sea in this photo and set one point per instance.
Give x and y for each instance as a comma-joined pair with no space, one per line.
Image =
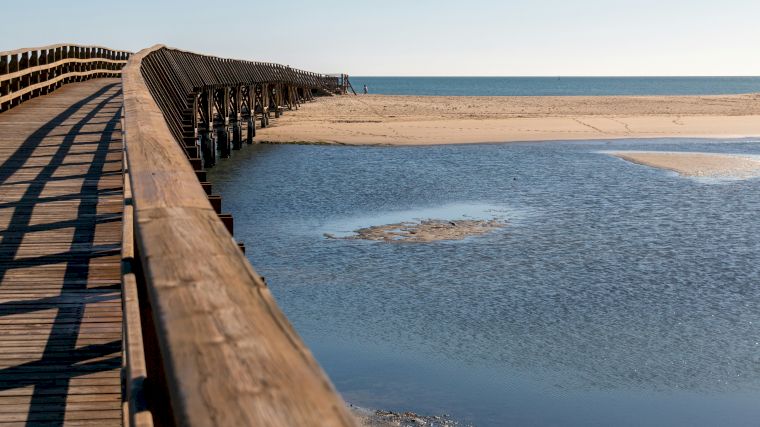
556,86
617,294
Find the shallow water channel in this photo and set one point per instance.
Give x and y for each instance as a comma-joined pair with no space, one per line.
618,294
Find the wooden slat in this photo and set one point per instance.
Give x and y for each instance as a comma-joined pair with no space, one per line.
229,354
60,296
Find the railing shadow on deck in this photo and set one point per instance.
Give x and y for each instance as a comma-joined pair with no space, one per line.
60,360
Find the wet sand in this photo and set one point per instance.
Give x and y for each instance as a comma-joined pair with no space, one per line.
709,165
426,120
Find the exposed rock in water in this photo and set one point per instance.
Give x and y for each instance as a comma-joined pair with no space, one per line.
428,230
370,418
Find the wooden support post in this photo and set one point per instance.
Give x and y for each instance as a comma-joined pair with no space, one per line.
220,124
276,101
205,114
235,127
237,138
222,141
228,222
208,152
250,131
249,113
260,99
216,203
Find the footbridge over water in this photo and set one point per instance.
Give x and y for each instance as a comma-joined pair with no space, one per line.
124,298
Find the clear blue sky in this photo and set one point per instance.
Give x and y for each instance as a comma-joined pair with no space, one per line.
418,37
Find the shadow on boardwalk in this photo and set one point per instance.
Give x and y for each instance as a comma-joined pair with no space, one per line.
60,216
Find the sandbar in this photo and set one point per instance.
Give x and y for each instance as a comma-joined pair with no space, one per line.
427,230
710,165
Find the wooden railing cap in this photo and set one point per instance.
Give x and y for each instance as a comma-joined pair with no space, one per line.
55,46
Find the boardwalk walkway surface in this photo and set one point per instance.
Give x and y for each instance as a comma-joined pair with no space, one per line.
60,230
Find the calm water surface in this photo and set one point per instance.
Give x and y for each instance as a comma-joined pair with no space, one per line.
557,86
618,295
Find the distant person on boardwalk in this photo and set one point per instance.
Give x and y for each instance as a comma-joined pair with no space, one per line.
365,90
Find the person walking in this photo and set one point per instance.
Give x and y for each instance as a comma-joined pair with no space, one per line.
365,90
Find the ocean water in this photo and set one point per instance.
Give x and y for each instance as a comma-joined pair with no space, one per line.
556,86
617,295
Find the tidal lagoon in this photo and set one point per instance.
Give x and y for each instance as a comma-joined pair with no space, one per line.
616,294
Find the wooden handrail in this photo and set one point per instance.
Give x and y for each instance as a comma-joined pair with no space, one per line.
228,355
30,72
57,45
44,67
53,81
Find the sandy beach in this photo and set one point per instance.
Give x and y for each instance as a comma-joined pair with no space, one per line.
426,120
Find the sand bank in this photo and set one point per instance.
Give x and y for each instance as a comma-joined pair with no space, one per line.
423,120
428,230
709,165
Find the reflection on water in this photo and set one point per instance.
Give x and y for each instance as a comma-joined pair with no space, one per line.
618,295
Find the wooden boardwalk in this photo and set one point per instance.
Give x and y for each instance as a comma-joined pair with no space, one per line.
183,331
60,229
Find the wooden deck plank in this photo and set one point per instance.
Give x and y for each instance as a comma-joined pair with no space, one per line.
61,204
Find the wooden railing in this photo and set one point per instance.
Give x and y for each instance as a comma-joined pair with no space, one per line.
199,94
30,72
206,343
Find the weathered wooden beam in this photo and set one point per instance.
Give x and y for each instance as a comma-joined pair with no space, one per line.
136,411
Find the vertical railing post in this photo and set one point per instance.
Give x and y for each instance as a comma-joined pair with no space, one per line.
15,82
34,77
88,65
23,64
4,84
60,69
72,52
45,58
98,65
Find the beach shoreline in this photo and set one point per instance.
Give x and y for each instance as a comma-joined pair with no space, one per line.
438,120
